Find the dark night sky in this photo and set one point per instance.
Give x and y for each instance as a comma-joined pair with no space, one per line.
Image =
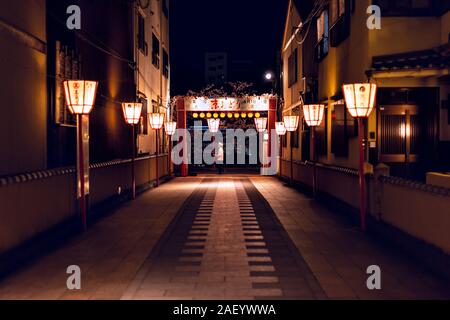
249,30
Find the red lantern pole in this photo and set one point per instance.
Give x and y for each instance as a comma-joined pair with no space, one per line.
133,176
157,157
362,178
169,157
314,159
82,200
291,180
281,157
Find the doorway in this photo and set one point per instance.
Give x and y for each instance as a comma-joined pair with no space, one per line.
400,139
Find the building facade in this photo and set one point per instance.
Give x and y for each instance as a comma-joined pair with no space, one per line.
330,43
124,45
23,129
153,73
409,130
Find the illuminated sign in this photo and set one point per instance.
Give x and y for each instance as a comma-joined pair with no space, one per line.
258,103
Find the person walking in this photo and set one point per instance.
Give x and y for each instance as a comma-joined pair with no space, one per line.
219,158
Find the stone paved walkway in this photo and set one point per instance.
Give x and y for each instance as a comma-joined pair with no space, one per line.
338,253
229,245
223,237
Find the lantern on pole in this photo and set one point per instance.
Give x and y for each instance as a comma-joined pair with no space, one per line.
132,114
213,125
280,128
261,124
314,114
80,99
360,101
80,96
291,123
171,127
157,122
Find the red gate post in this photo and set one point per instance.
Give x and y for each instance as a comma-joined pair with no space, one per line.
272,118
181,119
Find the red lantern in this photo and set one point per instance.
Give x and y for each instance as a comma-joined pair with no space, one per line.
213,125
291,123
170,127
156,120
360,98
261,124
80,95
280,128
314,114
132,112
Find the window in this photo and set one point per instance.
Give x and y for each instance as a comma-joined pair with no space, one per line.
143,47
322,36
155,51
338,9
295,137
165,64
143,123
322,136
67,66
341,19
293,68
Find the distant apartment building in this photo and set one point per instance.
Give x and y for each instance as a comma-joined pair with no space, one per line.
216,68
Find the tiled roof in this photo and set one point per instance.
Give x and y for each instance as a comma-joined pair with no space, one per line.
437,58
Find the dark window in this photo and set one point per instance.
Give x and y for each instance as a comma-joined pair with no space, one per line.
322,136
155,51
343,128
293,68
165,64
306,142
322,36
141,35
165,8
341,27
143,124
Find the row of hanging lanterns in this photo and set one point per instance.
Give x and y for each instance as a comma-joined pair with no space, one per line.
360,102
80,98
223,115
132,114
